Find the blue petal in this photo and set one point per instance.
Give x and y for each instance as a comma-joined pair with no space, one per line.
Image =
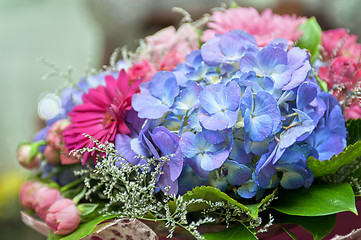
211,52
306,93
189,179
165,140
219,120
148,106
188,145
299,63
248,190
238,174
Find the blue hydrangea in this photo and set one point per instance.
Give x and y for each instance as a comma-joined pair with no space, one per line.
238,117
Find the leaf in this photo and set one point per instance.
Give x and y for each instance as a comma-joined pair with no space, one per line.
319,227
210,194
254,208
83,229
290,234
328,167
354,131
311,37
318,200
87,208
238,232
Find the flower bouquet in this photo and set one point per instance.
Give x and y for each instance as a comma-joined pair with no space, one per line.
219,129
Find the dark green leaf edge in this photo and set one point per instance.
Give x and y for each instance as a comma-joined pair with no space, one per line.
354,130
319,226
210,194
318,200
328,167
238,232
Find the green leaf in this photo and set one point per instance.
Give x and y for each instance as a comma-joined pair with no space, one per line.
321,83
311,37
319,227
210,194
254,208
290,234
83,229
87,208
354,131
328,167
238,232
318,200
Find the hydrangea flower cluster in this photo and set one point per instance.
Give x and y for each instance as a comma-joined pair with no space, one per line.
236,115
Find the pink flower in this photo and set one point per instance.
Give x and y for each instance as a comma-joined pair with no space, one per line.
54,137
52,155
101,115
141,70
265,27
63,217
27,192
157,46
171,60
338,42
343,78
55,152
28,155
353,111
44,197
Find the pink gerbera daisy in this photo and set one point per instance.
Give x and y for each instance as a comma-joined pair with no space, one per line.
101,115
265,27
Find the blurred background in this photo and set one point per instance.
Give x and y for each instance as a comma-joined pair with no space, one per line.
84,33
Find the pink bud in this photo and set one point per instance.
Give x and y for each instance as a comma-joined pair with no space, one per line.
54,136
52,155
44,197
27,192
28,156
66,158
171,60
63,217
142,69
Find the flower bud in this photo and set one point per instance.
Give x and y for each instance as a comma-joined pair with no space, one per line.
54,137
52,155
27,192
28,155
63,217
44,197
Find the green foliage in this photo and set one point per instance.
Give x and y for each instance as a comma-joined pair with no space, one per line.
83,229
354,131
238,232
290,234
311,37
210,194
328,167
258,207
318,200
319,227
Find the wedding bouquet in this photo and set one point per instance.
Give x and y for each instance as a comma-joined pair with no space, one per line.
222,128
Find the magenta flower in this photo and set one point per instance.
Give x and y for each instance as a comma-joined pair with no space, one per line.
44,197
338,42
27,192
63,217
102,115
343,78
265,27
